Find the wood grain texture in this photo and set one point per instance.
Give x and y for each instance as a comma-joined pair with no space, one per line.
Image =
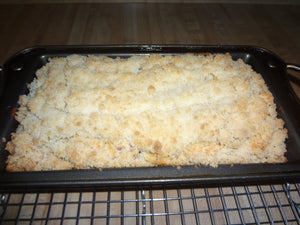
244,205
275,27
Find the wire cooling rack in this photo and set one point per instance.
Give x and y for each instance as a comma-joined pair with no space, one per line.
256,204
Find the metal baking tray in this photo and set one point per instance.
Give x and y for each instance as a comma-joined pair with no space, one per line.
19,70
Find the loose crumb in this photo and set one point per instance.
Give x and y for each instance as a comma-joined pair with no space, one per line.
144,111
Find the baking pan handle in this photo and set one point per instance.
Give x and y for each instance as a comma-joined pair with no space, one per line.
294,67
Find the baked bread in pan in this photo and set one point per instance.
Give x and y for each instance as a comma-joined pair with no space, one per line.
145,110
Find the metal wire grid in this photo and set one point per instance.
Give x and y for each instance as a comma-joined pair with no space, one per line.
258,204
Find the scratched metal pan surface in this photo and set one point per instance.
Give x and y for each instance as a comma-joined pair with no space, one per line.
19,70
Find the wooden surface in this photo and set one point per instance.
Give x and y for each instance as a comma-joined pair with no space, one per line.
275,27
261,204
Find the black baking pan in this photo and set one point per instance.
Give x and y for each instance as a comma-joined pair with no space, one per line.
19,70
